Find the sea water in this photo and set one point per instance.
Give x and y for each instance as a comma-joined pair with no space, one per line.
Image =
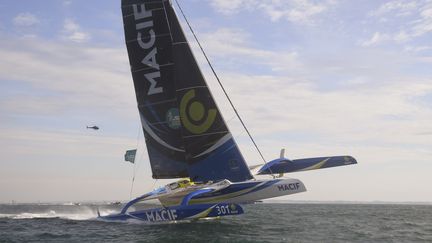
264,222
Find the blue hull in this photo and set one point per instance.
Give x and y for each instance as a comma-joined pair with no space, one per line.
176,213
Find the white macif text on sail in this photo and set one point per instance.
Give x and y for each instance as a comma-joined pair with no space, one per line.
150,59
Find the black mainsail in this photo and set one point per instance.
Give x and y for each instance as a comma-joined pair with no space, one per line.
185,133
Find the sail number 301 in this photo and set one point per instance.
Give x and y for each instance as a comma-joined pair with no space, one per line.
224,209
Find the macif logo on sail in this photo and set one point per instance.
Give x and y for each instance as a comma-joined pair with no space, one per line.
146,29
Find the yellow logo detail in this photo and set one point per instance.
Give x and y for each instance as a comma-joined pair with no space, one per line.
192,112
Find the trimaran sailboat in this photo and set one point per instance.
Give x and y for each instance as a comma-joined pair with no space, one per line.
185,133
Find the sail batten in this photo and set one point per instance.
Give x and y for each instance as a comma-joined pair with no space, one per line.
151,36
149,67
180,42
192,87
157,103
207,134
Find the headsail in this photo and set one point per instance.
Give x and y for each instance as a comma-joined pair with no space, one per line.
169,85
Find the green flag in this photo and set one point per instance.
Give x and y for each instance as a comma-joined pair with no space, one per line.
130,155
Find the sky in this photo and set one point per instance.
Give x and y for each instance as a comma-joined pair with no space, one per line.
318,78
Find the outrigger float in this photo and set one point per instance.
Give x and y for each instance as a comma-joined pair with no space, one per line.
186,135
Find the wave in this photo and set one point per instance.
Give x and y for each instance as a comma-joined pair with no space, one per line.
82,213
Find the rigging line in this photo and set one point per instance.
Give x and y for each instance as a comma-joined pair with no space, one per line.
135,162
138,135
154,183
220,83
135,170
133,180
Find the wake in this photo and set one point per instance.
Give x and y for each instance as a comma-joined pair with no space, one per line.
82,213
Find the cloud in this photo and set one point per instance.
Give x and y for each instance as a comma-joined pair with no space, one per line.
25,20
400,8
102,73
417,48
296,11
371,97
236,49
377,38
372,108
402,36
232,6
67,2
423,25
67,75
303,108
300,11
72,32
413,18
49,91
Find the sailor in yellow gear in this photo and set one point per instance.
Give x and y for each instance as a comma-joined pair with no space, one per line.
185,183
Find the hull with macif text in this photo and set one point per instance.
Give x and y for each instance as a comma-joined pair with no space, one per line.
176,213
